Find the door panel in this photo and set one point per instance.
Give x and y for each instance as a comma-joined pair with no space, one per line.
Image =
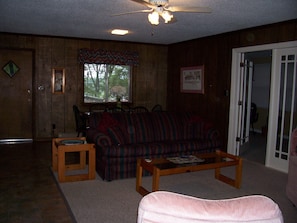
244,103
284,107
16,95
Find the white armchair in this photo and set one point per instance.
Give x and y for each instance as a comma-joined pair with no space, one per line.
168,207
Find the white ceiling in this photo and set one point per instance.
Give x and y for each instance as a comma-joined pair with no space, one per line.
92,18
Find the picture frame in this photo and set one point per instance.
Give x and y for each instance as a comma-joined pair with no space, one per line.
192,79
58,80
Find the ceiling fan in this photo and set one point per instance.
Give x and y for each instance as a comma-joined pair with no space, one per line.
161,8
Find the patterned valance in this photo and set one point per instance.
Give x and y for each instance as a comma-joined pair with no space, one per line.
108,57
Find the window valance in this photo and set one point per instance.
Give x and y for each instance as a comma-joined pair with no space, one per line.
108,57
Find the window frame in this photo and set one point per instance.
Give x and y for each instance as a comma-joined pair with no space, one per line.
101,101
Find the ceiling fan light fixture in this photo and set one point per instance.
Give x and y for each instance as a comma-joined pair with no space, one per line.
166,16
153,18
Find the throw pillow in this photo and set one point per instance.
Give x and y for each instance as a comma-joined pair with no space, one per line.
106,122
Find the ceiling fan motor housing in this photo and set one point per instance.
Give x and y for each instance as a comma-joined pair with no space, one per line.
159,2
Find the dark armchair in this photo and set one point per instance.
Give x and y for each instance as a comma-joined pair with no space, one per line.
254,115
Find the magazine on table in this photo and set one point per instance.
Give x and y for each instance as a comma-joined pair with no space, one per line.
185,159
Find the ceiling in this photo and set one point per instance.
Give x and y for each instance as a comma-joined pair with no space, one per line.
92,18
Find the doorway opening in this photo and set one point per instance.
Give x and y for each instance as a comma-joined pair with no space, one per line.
254,146
282,102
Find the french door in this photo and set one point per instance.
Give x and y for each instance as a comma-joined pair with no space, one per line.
282,116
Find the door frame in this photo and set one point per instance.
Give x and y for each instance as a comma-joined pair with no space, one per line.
235,79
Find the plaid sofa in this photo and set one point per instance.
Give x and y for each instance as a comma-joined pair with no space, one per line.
121,138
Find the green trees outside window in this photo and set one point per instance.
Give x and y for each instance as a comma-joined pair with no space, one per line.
106,83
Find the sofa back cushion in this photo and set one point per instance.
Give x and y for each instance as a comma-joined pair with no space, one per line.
128,128
150,126
143,130
167,126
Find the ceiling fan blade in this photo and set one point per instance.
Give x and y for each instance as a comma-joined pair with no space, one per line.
189,9
132,12
144,3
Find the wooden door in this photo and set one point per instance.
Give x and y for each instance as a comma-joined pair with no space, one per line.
16,94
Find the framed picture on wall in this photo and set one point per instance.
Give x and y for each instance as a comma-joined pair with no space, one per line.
192,79
58,80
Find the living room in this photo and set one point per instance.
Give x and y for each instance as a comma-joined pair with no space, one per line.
156,80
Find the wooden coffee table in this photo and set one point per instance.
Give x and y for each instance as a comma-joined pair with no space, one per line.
162,166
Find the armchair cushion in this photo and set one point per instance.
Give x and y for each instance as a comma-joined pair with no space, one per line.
168,207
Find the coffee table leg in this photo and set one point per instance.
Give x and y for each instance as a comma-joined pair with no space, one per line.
138,176
156,179
92,163
233,182
238,173
61,165
217,173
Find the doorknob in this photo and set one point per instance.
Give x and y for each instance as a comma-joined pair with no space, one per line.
29,91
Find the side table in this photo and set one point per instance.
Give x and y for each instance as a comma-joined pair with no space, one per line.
60,146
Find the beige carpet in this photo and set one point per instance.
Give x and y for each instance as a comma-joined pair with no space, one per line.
117,201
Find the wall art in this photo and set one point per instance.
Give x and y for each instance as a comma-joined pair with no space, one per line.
58,80
192,79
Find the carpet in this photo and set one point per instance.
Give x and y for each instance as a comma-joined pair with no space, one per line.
117,201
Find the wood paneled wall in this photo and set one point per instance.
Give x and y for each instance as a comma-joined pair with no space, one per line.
155,80
215,53
149,77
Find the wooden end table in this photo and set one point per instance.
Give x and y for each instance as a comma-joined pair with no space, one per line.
162,166
59,149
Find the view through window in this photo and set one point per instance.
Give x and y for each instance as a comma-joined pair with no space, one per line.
106,83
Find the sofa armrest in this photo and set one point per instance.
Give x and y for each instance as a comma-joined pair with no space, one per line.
98,138
102,140
212,134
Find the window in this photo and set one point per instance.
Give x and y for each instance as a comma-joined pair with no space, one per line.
106,83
